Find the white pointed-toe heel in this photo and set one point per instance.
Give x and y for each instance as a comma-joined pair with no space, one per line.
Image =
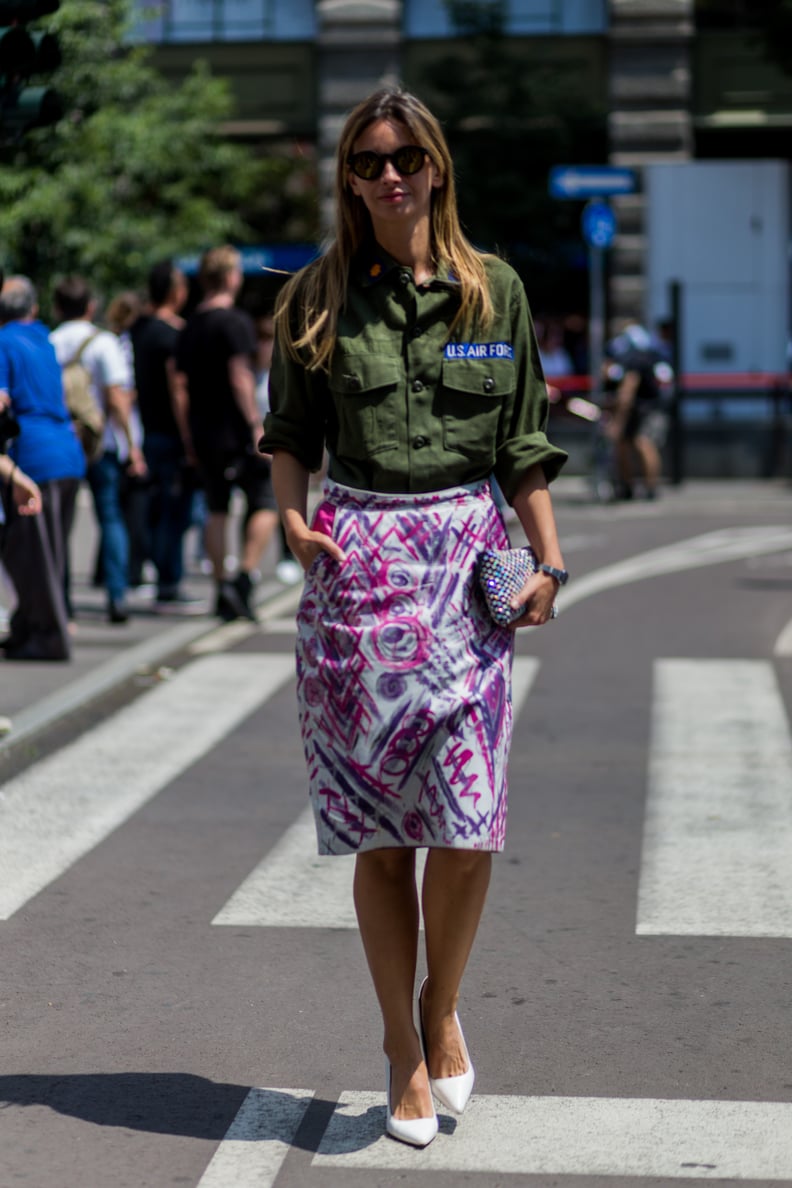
418,1132
452,1092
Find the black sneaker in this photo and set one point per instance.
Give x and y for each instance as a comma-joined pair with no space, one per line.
117,611
229,604
244,588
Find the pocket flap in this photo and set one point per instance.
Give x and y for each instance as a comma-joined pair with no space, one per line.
354,375
480,377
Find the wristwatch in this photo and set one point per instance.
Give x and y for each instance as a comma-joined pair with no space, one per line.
560,575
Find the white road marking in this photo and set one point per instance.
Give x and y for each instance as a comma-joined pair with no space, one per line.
103,679
783,645
60,808
292,887
280,627
524,674
713,548
222,637
717,848
258,1140
586,1136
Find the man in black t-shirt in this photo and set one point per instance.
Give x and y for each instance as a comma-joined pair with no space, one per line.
166,441
215,369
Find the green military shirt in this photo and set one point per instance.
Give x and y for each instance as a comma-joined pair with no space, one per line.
402,408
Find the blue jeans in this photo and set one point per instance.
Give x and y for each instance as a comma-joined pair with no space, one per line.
170,508
104,479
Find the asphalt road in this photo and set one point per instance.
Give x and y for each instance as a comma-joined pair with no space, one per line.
183,994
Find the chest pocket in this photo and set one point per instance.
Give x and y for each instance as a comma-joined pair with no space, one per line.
471,396
365,393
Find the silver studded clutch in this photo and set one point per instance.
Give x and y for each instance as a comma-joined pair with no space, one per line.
502,573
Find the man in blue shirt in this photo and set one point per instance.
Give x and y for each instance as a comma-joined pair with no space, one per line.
35,551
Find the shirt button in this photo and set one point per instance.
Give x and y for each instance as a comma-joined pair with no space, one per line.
489,384
417,386
419,442
404,278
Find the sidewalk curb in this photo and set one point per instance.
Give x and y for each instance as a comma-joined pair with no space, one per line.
148,653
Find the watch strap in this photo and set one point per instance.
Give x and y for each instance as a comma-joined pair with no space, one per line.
560,575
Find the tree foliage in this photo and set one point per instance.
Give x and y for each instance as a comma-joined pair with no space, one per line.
136,170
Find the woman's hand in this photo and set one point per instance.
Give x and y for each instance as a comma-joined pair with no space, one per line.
26,495
537,597
308,545
533,506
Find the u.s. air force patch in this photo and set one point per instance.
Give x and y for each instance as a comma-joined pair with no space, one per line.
479,350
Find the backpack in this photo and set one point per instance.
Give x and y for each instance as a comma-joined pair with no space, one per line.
88,419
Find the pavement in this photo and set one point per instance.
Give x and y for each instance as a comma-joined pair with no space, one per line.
35,695
184,992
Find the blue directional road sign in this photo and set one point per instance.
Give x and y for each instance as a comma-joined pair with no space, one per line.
591,181
598,223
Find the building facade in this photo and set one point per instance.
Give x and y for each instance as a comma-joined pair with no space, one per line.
675,79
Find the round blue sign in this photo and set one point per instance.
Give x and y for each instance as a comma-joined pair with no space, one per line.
598,223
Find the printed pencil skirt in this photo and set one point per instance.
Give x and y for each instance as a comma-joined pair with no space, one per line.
403,680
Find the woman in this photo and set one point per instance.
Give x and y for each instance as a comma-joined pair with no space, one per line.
411,358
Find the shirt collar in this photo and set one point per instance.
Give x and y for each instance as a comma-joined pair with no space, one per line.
374,264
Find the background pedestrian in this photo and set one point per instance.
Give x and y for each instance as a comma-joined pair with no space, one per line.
102,355
167,443
215,360
35,553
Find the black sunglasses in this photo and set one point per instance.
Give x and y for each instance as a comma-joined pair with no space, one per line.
369,165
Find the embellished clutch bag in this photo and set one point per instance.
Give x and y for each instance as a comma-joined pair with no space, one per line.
502,573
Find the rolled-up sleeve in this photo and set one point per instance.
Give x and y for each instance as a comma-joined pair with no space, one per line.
297,418
522,439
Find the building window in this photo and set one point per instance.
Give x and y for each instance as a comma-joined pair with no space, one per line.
436,18
162,21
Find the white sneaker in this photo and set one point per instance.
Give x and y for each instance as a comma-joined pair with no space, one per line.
288,572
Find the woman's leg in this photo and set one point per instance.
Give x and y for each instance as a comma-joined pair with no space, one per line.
386,901
454,890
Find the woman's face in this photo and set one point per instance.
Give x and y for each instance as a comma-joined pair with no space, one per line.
393,199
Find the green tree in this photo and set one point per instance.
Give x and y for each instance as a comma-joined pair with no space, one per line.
137,169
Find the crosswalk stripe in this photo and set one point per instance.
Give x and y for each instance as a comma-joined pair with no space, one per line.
783,645
258,1140
718,828
670,1139
292,887
59,809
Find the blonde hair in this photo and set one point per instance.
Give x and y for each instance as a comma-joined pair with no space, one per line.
309,304
123,311
216,264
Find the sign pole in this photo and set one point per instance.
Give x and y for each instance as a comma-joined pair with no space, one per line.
596,338
598,224
677,441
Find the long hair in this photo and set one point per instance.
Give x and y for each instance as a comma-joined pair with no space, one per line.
309,304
